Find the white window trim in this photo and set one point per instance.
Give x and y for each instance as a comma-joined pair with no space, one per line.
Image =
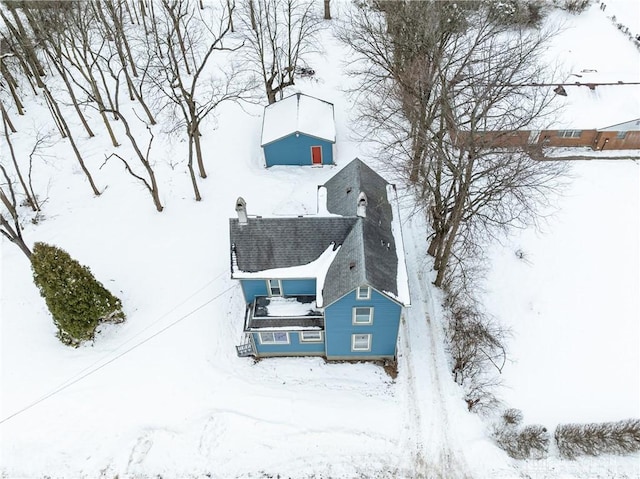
353,343
353,315
368,295
279,286
274,341
314,340
569,133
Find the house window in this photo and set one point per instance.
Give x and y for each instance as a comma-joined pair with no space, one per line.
274,287
274,338
362,315
621,135
311,336
569,133
364,292
360,342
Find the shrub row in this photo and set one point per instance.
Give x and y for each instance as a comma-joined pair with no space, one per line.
621,437
572,440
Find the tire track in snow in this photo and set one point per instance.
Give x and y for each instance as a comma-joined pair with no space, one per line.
437,455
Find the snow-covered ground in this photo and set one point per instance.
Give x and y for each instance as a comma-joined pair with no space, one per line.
164,394
573,302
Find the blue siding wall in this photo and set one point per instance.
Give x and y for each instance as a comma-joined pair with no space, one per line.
252,288
296,150
384,330
290,287
294,346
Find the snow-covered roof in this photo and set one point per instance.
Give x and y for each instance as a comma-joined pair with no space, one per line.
279,307
315,269
337,247
633,125
396,229
590,49
597,107
298,113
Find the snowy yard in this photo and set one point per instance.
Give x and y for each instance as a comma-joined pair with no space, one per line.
164,394
573,302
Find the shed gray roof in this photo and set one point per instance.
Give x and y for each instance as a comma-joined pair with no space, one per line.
368,251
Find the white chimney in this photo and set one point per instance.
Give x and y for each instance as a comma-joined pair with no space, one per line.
241,209
362,205
322,201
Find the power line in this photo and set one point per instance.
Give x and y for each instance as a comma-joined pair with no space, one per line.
69,384
144,329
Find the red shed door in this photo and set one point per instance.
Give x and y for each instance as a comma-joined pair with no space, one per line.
316,155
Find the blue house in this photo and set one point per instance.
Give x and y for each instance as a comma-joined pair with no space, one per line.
332,284
298,130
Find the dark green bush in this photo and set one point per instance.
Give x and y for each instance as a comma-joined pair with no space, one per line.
76,300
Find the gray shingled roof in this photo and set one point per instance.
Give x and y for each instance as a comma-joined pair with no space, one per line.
373,248
267,243
368,252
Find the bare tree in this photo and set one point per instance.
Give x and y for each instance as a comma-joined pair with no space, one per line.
64,127
196,91
111,16
9,81
279,35
10,226
327,9
22,40
441,93
83,49
49,24
438,78
150,182
27,191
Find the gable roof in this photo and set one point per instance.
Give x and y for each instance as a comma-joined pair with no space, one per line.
298,113
633,125
270,243
368,251
372,248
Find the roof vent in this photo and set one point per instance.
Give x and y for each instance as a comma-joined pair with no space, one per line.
362,205
352,264
241,209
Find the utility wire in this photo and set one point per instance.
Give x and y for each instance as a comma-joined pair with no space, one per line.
89,373
144,329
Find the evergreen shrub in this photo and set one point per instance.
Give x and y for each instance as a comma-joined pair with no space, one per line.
77,301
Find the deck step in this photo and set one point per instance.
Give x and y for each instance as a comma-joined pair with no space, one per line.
245,350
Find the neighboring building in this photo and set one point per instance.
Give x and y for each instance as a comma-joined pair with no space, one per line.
594,113
298,130
333,284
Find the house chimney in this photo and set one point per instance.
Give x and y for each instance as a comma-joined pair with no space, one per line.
362,205
241,209
322,201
